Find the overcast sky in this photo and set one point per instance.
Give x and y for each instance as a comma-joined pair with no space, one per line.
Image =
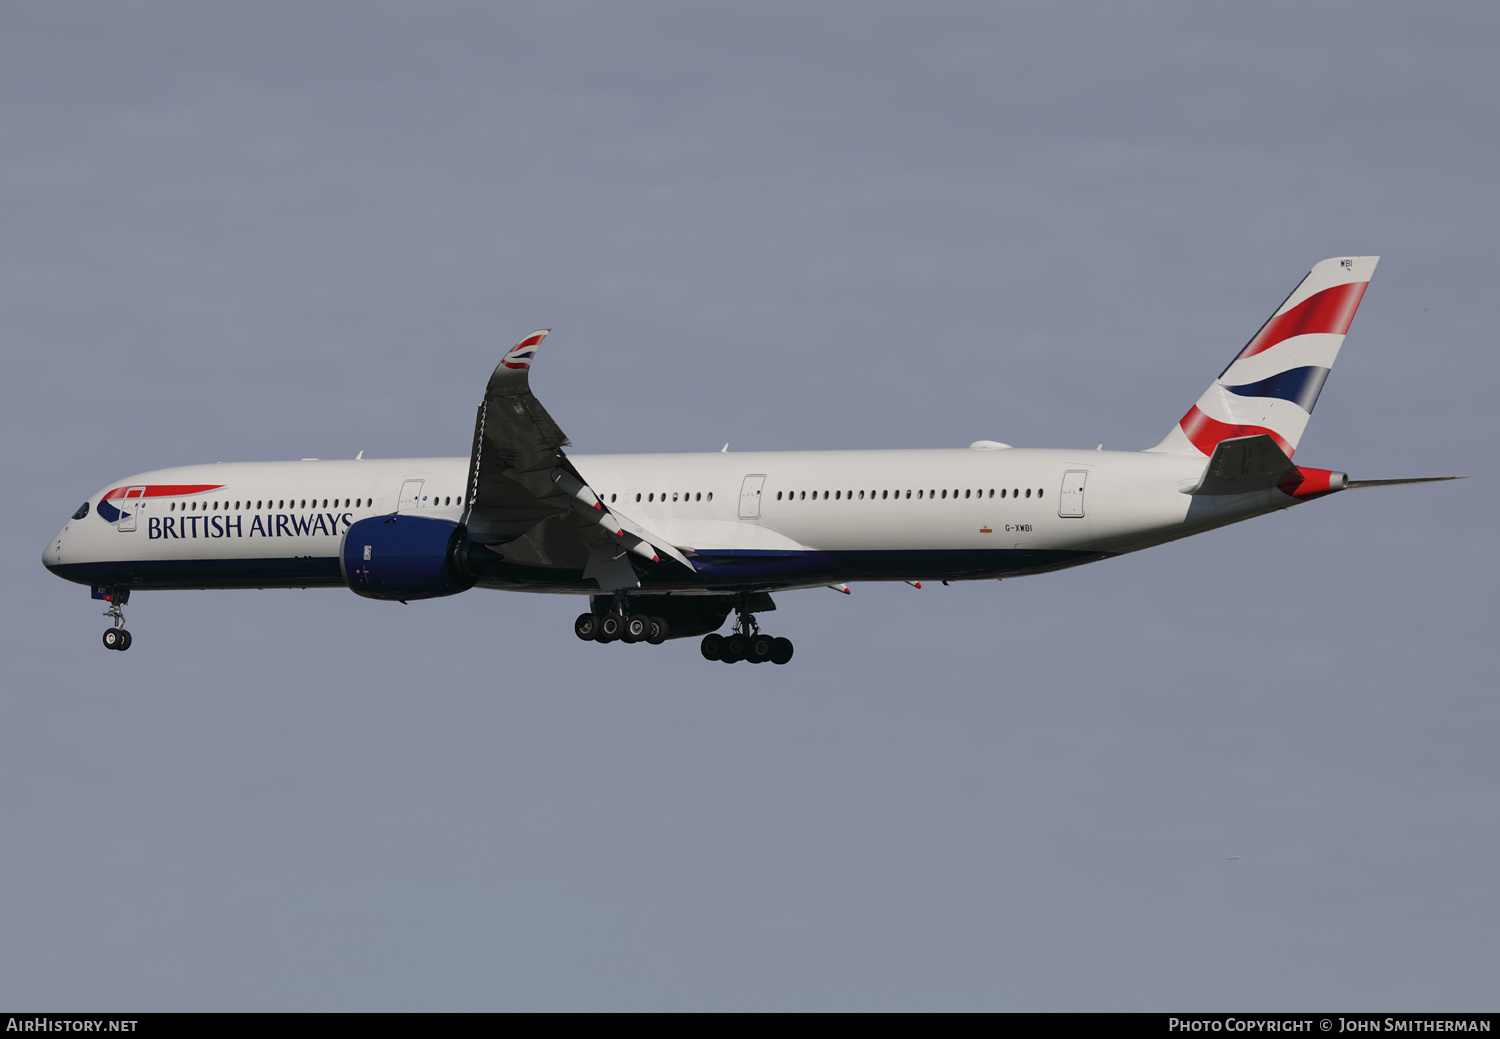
276,231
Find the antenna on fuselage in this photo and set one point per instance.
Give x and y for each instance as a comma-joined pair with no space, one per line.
725,449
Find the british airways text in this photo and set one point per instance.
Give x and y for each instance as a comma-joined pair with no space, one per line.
278,525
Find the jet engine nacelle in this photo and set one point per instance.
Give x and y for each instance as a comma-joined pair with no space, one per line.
405,557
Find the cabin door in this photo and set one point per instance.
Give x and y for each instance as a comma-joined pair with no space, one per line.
1070,501
411,496
134,497
750,497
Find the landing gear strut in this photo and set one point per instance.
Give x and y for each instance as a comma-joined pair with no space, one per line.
117,637
745,641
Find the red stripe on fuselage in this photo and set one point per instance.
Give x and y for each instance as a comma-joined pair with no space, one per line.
1330,311
164,490
1206,432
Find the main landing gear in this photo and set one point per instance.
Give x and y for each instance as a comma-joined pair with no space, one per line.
745,642
617,625
117,637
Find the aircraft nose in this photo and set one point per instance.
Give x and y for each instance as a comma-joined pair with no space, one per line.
56,553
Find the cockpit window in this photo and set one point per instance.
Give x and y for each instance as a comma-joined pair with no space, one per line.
83,510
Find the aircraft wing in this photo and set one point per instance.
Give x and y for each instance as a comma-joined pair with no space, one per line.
527,501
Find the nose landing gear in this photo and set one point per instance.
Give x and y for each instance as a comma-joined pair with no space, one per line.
117,637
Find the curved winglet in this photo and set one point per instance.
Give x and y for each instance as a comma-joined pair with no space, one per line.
514,368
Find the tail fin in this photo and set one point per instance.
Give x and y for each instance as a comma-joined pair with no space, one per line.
1272,384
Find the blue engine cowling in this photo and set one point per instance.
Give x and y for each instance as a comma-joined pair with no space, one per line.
404,557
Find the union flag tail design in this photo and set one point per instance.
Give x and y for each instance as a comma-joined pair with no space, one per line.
1272,384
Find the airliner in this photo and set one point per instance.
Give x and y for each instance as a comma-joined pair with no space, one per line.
668,545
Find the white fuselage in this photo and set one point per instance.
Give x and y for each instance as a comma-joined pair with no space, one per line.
819,517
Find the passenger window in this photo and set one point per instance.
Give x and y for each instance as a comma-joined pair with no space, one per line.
1038,492
945,492
710,495
778,495
1028,492
637,495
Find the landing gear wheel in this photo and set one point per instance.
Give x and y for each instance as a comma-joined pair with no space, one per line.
611,626
126,640
658,631
586,627
114,638
637,628
781,650
759,649
735,647
713,646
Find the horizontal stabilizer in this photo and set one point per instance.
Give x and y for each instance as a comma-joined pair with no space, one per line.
1393,483
1244,464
